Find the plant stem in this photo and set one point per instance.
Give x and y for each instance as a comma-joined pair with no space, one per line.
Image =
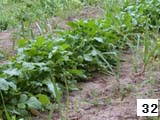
6,113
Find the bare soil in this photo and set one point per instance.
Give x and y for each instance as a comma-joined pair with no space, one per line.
6,46
5,41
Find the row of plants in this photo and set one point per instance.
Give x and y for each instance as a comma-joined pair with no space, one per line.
46,66
62,60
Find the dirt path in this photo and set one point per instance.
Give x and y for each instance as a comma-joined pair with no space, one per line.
6,47
5,41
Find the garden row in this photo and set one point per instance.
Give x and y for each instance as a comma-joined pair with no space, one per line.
45,67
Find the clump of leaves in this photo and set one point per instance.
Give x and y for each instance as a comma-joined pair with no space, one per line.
143,13
3,23
96,43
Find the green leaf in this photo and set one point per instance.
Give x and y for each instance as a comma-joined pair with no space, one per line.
79,73
28,66
11,84
94,52
12,72
87,57
40,41
22,42
31,51
98,39
23,98
75,71
55,49
33,103
4,85
65,46
21,105
50,87
15,112
43,99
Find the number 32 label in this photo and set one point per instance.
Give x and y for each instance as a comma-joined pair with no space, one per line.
147,107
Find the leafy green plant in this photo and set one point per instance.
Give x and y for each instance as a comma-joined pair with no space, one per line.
144,13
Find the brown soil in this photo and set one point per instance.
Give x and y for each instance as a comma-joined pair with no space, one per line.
5,42
6,45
